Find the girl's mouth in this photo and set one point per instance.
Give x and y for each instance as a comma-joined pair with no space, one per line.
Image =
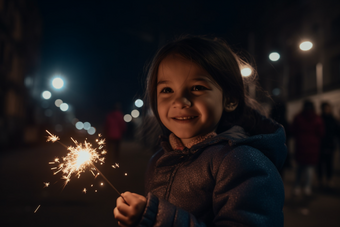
184,118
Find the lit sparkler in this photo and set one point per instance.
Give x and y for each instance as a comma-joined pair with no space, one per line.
80,157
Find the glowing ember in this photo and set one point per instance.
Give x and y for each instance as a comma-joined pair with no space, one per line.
84,190
116,165
52,138
46,184
36,209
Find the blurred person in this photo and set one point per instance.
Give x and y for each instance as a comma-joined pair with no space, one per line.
325,166
308,130
114,129
278,113
219,158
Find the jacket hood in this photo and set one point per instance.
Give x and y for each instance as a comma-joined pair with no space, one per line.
271,144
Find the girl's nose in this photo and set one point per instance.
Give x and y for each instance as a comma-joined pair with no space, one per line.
182,102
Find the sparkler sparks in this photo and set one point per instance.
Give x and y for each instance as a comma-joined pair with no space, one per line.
51,137
37,209
79,158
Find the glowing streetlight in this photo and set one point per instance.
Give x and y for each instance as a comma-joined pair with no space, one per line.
246,72
58,102
135,113
274,56
57,83
139,103
127,118
79,125
46,95
87,125
306,45
64,107
91,130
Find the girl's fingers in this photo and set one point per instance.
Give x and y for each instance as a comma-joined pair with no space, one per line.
122,207
122,225
132,199
122,219
128,197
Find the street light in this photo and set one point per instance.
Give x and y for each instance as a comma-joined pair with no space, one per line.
127,118
46,95
246,71
306,45
139,103
64,107
135,113
57,83
274,56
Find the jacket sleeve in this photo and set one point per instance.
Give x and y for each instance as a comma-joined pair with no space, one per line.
159,212
249,190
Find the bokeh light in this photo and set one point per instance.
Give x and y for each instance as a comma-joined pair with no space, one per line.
79,125
135,113
58,102
139,103
57,83
91,130
127,118
274,56
46,95
87,125
246,71
307,45
64,107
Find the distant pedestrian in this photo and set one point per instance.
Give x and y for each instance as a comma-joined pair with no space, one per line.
308,129
325,166
115,127
278,113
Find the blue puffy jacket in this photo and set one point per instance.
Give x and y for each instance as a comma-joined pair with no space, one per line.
227,180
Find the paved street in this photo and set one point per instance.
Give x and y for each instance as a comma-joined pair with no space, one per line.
23,172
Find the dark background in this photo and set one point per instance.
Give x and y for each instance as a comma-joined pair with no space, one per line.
103,47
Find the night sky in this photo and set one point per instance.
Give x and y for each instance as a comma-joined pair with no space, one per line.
102,47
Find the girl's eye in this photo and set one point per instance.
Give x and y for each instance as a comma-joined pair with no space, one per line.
166,90
199,88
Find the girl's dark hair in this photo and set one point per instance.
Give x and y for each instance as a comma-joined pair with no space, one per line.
223,65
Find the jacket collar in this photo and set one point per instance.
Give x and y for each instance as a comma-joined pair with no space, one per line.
175,144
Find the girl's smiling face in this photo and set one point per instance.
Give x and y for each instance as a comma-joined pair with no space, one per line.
189,102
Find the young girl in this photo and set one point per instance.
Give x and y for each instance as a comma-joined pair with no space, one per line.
219,161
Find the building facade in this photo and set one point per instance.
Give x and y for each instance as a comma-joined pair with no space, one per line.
300,75
20,34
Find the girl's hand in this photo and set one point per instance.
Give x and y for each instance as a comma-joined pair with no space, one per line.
129,209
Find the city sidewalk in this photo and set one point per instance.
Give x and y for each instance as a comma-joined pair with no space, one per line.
322,208
23,173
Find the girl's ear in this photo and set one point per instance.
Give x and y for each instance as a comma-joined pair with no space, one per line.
230,106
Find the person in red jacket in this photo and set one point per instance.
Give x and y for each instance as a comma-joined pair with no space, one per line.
115,127
308,130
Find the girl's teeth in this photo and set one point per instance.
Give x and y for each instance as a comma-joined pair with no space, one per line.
184,118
